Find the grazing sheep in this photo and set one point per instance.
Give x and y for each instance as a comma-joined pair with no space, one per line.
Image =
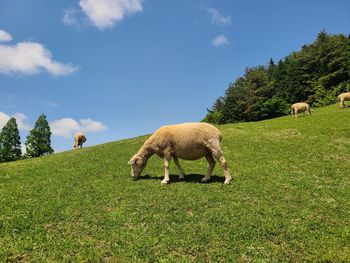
79,139
188,141
300,107
344,97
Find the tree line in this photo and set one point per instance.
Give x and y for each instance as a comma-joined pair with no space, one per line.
316,74
38,141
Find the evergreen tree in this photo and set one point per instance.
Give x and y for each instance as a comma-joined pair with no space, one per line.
214,114
10,144
39,139
316,74
235,102
348,55
271,69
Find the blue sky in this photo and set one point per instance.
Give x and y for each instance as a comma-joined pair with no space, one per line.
120,68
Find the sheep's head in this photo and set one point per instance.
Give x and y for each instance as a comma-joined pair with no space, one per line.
137,163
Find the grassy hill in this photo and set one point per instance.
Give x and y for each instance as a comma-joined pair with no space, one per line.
289,200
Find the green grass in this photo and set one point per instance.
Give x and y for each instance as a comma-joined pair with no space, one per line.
289,200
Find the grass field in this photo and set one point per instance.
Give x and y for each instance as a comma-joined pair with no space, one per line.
289,200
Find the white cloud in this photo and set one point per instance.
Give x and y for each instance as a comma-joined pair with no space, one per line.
89,125
3,119
106,13
220,41
51,104
4,36
67,127
21,121
217,17
31,58
20,118
69,16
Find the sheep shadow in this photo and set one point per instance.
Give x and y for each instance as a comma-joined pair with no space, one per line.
189,178
301,115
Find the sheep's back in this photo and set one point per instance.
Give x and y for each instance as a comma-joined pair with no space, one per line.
188,140
345,95
300,105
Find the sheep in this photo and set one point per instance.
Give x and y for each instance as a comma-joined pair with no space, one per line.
300,107
79,139
344,97
187,141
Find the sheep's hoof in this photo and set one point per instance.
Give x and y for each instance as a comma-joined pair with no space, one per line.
205,179
227,182
164,182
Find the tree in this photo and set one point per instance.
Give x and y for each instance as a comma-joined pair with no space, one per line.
315,74
39,139
235,102
214,114
10,142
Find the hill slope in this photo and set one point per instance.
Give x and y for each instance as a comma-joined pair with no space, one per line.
289,200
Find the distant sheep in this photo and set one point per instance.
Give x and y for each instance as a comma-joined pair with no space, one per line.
300,107
188,141
79,139
344,97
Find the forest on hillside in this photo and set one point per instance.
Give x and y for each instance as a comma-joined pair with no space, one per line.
316,74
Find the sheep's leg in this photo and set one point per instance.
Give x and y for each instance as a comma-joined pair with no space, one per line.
182,173
166,170
217,153
211,162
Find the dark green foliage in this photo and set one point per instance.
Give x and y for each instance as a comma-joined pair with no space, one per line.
271,108
316,74
39,139
10,144
214,114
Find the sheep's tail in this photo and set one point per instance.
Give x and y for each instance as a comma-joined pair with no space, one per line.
220,136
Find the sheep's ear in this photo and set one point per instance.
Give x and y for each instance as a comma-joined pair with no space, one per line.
136,160
139,160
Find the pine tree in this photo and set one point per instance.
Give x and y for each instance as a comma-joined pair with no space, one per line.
10,144
315,74
39,139
347,86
